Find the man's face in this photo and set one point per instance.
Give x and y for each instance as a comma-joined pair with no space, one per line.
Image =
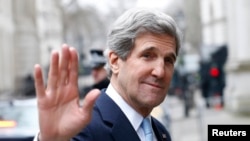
143,79
98,74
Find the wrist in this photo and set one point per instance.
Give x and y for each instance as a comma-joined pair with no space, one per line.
40,138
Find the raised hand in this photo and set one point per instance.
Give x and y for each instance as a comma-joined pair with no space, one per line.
60,115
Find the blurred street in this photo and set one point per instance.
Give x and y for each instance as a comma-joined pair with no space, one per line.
213,58
194,127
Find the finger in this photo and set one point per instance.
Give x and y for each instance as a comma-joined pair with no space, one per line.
39,85
73,67
64,65
89,101
53,71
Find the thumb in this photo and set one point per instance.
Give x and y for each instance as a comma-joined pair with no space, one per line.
89,100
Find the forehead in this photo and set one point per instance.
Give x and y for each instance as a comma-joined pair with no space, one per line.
162,42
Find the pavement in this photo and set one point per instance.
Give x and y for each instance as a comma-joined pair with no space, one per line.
194,127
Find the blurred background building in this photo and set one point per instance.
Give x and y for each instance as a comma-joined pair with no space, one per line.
30,29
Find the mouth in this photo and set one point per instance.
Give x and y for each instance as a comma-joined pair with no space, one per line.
154,85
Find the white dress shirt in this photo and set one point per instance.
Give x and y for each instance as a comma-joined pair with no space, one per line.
133,116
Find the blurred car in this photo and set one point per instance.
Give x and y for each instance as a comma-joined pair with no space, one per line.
18,120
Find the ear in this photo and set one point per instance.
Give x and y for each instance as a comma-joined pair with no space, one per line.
113,62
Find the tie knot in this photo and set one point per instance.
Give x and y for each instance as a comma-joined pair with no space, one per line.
147,128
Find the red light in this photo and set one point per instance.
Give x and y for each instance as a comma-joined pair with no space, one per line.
214,72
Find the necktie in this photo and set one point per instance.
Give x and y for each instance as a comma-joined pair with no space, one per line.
147,128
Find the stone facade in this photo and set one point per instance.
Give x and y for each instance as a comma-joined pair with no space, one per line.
238,66
22,39
6,46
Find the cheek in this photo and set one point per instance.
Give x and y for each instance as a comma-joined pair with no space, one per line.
169,72
131,70
131,76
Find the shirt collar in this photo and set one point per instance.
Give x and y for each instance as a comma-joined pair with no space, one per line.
134,117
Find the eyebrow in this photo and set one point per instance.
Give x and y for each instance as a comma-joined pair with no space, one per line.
151,48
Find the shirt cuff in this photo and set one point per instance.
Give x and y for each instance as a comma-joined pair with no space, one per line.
36,137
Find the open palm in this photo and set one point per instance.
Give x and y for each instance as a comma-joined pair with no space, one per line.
60,115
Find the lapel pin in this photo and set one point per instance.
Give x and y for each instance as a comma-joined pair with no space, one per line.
164,136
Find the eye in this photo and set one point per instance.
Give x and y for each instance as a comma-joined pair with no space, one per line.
148,55
169,60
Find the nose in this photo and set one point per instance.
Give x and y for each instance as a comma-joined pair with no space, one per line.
159,69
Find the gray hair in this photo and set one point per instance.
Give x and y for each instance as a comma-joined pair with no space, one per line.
136,21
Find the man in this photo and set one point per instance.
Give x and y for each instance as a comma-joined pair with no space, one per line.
142,48
98,72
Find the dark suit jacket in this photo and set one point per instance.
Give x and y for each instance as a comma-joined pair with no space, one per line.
109,123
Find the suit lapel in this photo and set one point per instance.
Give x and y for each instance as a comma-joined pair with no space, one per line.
159,133
120,127
123,131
